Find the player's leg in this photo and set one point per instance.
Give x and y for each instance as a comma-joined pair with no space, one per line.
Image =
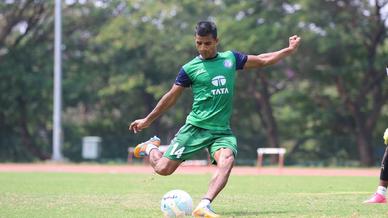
225,161
162,166
189,140
380,194
223,152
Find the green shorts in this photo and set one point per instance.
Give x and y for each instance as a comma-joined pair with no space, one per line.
191,139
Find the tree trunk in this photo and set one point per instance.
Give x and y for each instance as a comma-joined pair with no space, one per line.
363,128
150,103
266,114
364,148
25,134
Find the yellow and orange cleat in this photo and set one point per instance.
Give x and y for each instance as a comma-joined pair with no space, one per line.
205,211
140,149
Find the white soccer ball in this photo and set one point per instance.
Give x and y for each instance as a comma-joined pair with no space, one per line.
176,203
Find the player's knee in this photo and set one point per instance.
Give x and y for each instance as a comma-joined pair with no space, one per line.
164,170
227,162
166,167
230,161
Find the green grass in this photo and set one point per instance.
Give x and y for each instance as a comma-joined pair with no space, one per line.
135,195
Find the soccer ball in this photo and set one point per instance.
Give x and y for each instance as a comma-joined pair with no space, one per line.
176,203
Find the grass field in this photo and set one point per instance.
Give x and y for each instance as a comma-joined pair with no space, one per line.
138,195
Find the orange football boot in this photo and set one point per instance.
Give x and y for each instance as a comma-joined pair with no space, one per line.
140,149
206,212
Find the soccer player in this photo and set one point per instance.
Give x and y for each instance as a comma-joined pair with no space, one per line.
380,196
211,76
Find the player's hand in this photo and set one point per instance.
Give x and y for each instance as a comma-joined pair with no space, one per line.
137,125
386,136
293,42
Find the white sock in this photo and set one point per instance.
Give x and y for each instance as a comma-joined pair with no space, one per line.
204,202
149,148
381,190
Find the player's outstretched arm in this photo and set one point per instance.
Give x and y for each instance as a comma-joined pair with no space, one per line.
168,100
266,59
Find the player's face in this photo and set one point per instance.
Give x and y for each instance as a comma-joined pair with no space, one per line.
206,46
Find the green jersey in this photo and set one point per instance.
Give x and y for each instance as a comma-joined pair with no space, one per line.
212,82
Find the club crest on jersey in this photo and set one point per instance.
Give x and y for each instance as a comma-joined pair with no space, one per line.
228,64
219,81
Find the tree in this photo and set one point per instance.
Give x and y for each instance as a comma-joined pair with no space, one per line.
350,58
262,27
24,133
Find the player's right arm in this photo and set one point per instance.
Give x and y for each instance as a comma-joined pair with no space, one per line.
168,100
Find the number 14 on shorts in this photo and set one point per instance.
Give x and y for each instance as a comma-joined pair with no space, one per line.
176,152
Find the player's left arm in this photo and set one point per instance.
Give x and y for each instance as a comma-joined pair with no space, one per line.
266,59
167,101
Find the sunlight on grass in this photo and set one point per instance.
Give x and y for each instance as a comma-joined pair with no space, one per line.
135,195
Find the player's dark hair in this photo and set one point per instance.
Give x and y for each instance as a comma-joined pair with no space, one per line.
205,28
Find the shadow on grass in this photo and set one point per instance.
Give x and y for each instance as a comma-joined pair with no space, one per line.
251,213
